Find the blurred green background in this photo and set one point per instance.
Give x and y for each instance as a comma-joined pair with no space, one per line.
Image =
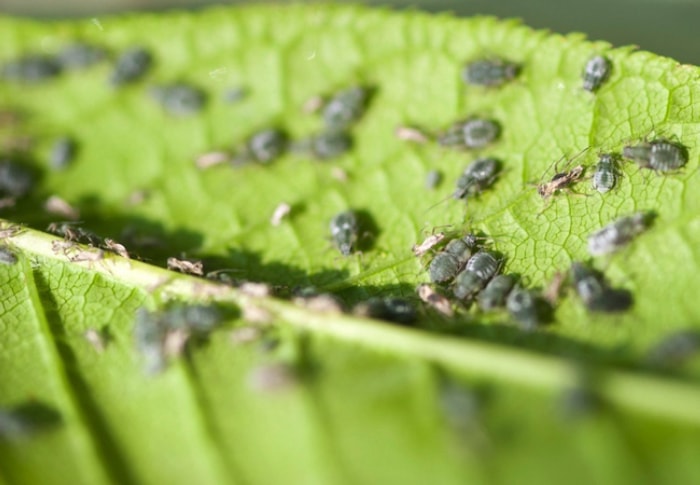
666,27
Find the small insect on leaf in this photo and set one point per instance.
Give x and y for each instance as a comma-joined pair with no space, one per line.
660,155
33,68
130,66
560,181
428,243
471,133
619,233
324,145
595,293
265,146
397,310
527,308
449,262
115,247
435,300
345,107
606,173
16,179
80,55
410,133
186,266
478,271
490,72
281,211
179,99
494,295
477,177
596,72
433,179
344,232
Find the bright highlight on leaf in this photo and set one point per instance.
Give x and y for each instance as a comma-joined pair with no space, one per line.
344,111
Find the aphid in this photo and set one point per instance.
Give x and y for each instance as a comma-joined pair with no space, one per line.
410,133
27,419
62,153
675,349
80,55
345,107
523,306
477,177
179,99
31,69
490,72
560,181
71,232
281,211
266,145
494,295
595,292
56,206
606,173
325,145
131,65
16,180
7,256
433,179
447,263
115,247
435,300
596,73
397,310
471,133
660,155
480,268
8,229
428,243
618,233
344,231
185,266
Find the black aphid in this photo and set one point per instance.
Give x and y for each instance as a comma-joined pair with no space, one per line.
675,348
131,65
7,256
62,152
595,293
345,107
606,173
480,268
31,69
397,310
449,262
344,232
618,233
494,295
596,72
266,145
471,133
179,99
477,177
660,155
325,145
16,179
489,72
525,307
27,419
80,56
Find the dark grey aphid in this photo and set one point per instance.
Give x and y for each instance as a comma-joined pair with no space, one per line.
433,179
31,69
345,108
267,145
617,234
675,348
329,144
179,99
606,173
16,180
660,155
62,152
480,268
489,72
449,262
80,55
471,133
494,295
397,310
131,65
477,177
26,419
596,72
525,308
595,293
344,232
7,256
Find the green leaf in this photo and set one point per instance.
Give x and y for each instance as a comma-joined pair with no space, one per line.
367,402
